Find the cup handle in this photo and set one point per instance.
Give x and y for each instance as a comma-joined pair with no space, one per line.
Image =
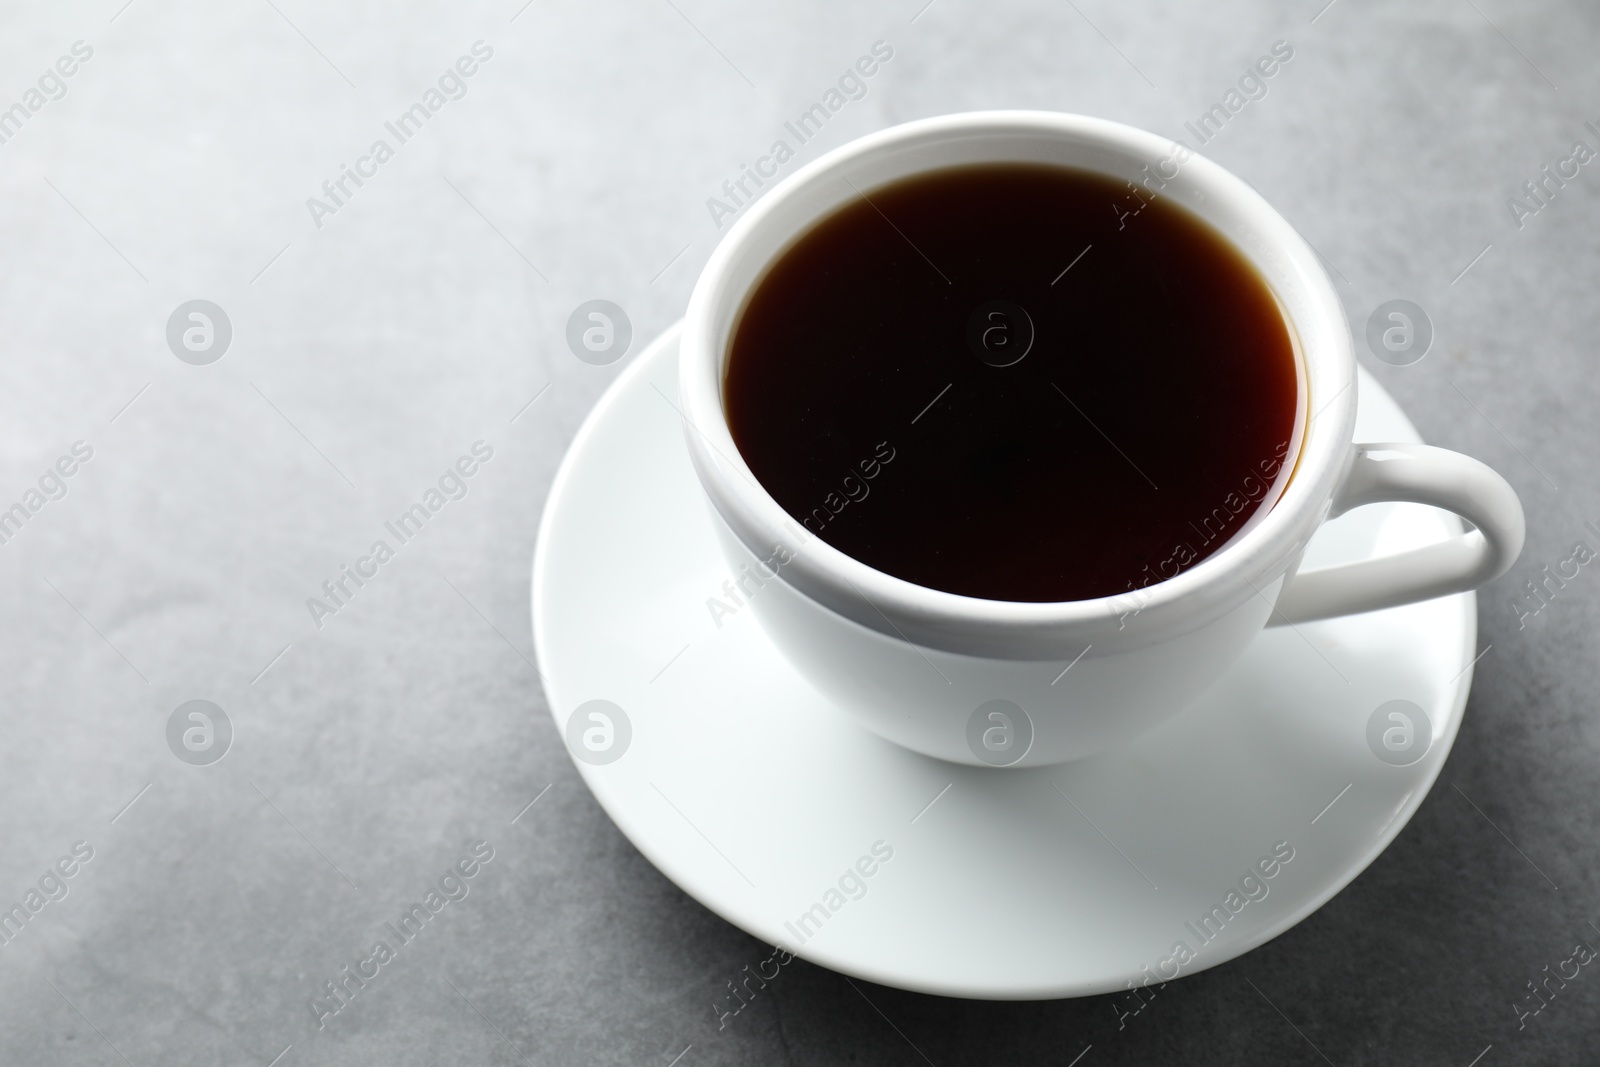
1425,475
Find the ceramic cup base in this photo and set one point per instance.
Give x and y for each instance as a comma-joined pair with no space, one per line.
759,798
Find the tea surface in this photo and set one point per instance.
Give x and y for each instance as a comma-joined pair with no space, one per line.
1015,382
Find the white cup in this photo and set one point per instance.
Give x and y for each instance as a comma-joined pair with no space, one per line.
962,678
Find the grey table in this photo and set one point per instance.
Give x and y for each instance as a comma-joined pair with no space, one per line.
378,330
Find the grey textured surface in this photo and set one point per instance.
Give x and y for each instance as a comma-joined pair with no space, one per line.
377,348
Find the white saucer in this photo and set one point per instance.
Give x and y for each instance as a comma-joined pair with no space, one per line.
755,795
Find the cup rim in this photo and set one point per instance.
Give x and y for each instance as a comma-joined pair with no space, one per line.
1243,568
